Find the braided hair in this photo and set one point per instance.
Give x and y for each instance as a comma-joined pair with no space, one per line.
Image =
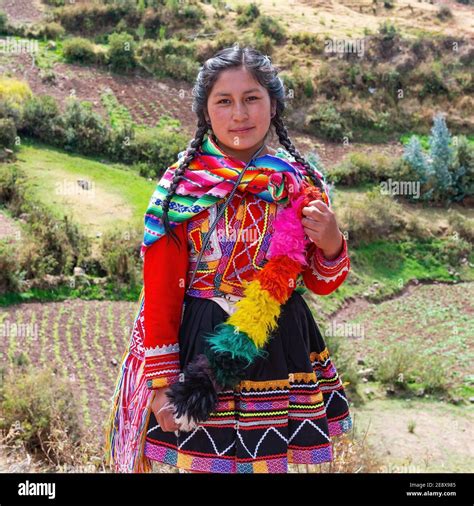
262,69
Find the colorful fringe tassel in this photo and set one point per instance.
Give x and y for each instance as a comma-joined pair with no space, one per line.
126,427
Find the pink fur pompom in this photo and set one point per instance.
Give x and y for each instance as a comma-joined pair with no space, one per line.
289,236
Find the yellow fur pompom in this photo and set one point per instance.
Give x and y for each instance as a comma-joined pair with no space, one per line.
247,317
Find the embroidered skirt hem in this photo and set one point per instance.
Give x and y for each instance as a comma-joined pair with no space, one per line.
285,411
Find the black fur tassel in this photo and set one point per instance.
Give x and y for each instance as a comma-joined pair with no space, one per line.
196,396
228,371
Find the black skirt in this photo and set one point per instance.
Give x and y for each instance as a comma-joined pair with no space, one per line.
285,410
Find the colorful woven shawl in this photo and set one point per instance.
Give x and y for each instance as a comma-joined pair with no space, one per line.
210,178
237,342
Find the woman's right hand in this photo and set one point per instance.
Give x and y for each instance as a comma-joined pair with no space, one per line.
165,417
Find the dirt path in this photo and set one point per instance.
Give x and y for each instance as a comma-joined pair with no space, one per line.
439,443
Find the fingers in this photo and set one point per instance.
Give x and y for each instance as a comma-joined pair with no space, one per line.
311,225
166,421
313,213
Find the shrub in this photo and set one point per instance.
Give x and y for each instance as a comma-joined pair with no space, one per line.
359,168
9,269
120,256
170,57
7,133
270,27
121,53
42,119
324,120
308,41
433,83
388,31
444,13
375,216
152,23
12,193
462,170
92,19
3,23
85,130
155,146
177,13
461,225
247,14
58,244
39,406
79,50
14,92
52,31
445,174
441,156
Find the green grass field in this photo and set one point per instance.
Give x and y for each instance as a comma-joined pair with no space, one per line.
118,196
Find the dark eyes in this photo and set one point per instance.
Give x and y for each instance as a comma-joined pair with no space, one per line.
228,99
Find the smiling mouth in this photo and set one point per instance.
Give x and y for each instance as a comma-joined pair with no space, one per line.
242,131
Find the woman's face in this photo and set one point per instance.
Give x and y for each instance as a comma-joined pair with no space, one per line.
238,101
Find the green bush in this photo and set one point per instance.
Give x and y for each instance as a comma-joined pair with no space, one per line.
9,269
152,23
12,189
7,133
42,119
372,217
359,168
40,408
461,225
308,41
247,14
52,31
433,84
462,170
271,28
85,130
121,53
79,50
3,23
177,14
444,13
56,246
155,146
92,19
169,57
324,120
120,256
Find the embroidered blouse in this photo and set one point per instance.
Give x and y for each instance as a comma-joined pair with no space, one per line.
235,251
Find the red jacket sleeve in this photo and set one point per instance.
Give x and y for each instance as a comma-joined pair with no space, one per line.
323,276
164,274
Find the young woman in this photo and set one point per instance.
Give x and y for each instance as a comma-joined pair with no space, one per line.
227,371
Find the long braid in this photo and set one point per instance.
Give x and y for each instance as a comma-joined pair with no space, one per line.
178,175
284,139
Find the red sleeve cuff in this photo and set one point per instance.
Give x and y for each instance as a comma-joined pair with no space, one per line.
162,366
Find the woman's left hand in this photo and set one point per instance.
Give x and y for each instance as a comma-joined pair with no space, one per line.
320,225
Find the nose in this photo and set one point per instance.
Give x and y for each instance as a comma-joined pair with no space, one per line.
239,111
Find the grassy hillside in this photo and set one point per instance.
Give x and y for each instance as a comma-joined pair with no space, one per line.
118,196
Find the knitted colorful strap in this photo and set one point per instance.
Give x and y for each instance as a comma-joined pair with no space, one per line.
238,341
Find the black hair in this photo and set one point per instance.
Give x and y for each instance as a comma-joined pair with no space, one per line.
264,72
